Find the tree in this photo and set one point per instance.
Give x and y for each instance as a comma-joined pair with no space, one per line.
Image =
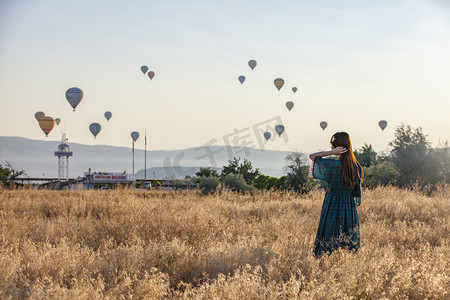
366,156
207,172
441,157
410,155
245,169
297,171
10,173
383,172
208,185
236,182
4,172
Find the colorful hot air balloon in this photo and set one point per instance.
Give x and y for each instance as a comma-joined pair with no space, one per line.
267,135
57,121
382,124
323,125
294,89
289,105
279,82
144,69
241,79
95,129
279,129
108,115
39,115
46,123
151,74
74,96
135,136
252,63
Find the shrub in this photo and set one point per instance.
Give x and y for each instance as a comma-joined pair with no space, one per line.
208,185
236,182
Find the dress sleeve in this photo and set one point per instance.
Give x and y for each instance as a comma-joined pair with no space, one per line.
321,168
356,192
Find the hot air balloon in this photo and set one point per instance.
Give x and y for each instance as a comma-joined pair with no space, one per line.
279,82
108,115
39,115
267,135
241,79
289,105
382,124
323,125
151,74
74,96
95,129
294,89
57,121
46,123
144,69
135,136
279,129
252,63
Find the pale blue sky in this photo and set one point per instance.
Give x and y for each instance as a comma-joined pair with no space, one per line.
354,62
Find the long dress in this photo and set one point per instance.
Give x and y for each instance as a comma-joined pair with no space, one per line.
339,222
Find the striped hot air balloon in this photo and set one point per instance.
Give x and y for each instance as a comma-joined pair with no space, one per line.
74,96
46,123
95,128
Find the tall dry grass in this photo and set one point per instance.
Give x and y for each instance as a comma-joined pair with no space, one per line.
126,244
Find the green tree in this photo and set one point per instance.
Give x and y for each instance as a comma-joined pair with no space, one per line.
297,171
208,185
10,174
245,169
207,172
366,156
260,182
410,155
4,172
441,159
383,172
236,182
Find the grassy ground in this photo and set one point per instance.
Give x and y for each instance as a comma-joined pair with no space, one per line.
127,244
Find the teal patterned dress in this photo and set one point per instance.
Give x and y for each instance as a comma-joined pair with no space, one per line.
339,223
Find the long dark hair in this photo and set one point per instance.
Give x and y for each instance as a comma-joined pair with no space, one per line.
351,169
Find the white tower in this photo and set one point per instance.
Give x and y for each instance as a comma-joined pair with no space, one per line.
63,154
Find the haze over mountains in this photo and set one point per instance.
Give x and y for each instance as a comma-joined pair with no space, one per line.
37,158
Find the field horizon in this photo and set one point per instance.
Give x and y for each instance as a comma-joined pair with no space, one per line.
179,244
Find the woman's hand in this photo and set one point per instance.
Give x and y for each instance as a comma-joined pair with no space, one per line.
339,150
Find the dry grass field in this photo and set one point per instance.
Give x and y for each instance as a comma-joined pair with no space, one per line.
123,244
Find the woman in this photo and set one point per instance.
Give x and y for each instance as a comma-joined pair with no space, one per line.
339,223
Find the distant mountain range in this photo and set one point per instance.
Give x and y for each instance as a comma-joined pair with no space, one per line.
37,158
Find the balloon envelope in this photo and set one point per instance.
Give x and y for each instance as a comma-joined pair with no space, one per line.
382,124
279,82
241,79
323,125
108,115
57,121
151,74
267,135
294,89
95,129
46,123
252,63
39,115
135,135
144,69
279,129
289,105
74,96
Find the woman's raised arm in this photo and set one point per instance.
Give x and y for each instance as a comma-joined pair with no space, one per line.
335,151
